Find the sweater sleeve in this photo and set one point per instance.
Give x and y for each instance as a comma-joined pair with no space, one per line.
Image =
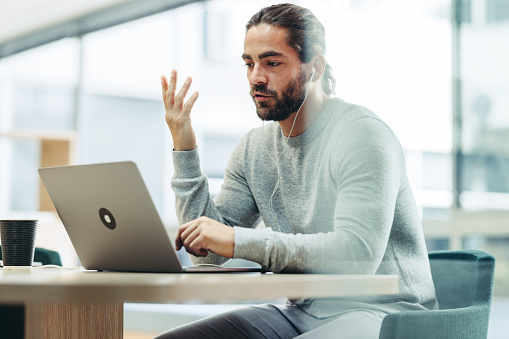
234,205
366,171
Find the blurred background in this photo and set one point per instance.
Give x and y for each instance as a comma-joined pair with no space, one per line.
80,83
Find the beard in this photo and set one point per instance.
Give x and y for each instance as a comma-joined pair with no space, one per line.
290,100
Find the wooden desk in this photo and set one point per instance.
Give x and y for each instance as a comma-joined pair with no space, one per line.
63,303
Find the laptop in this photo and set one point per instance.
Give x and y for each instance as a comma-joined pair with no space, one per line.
112,222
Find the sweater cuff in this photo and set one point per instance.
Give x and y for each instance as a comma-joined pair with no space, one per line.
186,164
249,244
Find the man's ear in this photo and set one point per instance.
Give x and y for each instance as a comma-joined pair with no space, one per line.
318,63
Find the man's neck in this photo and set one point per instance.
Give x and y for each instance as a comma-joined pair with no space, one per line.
309,112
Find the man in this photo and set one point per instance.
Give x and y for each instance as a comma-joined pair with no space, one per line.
328,179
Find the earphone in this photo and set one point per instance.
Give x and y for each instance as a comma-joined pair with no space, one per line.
311,79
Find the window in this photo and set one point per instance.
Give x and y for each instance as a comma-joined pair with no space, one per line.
485,122
121,116
37,98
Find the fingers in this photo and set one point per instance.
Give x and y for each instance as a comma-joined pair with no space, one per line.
170,92
204,234
188,237
178,240
190,103
171,100
194,236
182,235
164,86
194,244
193,241
168,88
179,98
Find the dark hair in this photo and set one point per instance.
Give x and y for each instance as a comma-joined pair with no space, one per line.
306,34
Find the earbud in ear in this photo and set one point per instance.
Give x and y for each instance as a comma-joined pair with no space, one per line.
312,77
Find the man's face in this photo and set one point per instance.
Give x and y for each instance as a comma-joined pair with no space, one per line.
275,73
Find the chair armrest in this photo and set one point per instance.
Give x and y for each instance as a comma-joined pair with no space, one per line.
458,323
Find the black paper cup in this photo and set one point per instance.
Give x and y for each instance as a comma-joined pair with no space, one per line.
18,243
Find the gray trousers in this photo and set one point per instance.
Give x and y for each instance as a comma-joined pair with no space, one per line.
280,321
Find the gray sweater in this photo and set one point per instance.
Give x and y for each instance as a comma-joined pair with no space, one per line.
344,205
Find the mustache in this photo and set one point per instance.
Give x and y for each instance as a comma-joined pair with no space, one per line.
262,89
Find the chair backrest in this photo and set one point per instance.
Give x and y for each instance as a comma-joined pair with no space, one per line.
47,257
44,256
462,278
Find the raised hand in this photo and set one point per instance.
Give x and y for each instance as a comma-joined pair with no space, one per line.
178,113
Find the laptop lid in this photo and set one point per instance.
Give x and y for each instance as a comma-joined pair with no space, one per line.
110,217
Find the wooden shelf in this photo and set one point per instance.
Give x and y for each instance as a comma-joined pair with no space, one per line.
57,149
38,135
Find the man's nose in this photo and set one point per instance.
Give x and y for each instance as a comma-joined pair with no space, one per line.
258,76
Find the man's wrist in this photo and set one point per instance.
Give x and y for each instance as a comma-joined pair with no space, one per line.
183,149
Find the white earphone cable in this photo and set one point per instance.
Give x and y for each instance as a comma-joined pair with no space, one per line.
276,187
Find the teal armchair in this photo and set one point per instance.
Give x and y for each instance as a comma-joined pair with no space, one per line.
464,285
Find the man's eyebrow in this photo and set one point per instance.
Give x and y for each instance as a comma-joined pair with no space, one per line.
269,54
263,55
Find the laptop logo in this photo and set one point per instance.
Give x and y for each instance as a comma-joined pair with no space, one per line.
107,218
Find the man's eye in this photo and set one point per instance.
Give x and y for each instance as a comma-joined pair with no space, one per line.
273,64
249,65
